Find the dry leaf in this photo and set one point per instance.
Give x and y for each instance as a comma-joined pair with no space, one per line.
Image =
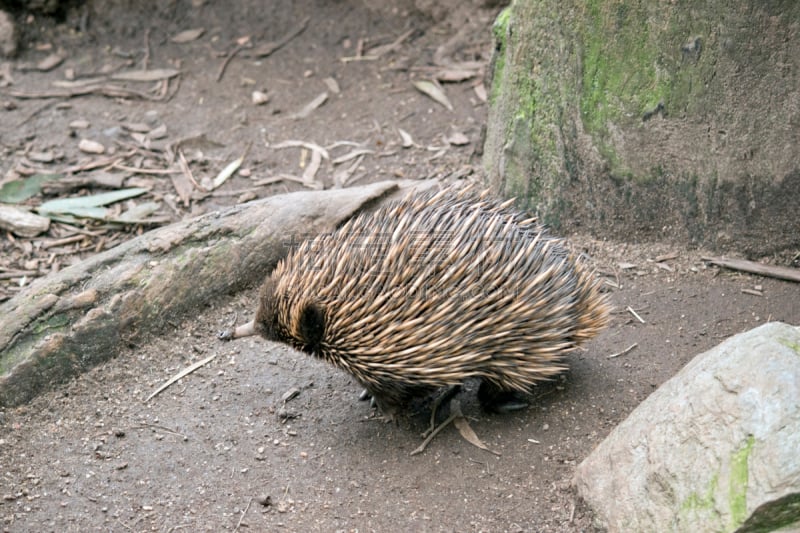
138,127
159,133
408,142
188,35
311,106
433,91
455,74
311,169
457,139
465,430
50,62
91,147
332,84
146,75
480,92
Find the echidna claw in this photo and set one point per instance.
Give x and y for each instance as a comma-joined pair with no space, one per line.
365,395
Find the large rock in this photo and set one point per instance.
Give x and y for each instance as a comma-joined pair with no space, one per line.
716,448
665,120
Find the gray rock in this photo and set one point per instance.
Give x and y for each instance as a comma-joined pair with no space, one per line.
716,448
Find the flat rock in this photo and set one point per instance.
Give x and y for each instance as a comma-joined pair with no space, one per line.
716,448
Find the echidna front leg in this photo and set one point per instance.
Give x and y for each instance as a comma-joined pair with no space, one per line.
496,400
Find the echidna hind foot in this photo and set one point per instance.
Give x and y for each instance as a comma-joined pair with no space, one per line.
493,399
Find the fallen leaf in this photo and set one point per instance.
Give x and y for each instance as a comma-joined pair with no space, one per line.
138,127
332,84
465,430
455,74
146,75
159,133
480,92
408,142
311,169
311,106
42,157
228,171
457,139
50,62
433,91
88,206
137,214
187,36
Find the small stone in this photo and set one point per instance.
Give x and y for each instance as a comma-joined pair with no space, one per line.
91,147
259,98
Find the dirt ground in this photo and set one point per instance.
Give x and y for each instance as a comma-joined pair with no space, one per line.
265,439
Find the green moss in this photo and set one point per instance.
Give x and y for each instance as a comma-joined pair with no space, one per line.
500,26
737,486
794,346
500,32
700,502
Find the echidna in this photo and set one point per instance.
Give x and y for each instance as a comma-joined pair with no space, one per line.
431,291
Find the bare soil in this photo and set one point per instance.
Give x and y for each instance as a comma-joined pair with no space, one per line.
262,438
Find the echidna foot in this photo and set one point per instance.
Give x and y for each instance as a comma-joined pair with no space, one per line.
496,400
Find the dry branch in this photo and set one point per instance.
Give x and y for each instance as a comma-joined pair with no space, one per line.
74,319
751,267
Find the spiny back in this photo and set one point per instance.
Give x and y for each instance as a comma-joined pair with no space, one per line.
433,290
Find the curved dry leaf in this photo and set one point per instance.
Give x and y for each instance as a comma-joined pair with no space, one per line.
408,141
50,62
480,92
187,36
457,139
435,92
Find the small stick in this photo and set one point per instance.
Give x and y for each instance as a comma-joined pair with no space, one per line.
146,58
429,438
751,267
243,513
623,352
228,58
179,375
631,311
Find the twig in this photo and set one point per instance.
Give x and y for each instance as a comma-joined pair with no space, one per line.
179,375
146,58
267,48
35,112
623,352
631,311
155,171
751,267
228,58
429,438
243,513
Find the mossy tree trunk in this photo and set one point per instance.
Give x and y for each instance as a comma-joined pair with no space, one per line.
677,120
